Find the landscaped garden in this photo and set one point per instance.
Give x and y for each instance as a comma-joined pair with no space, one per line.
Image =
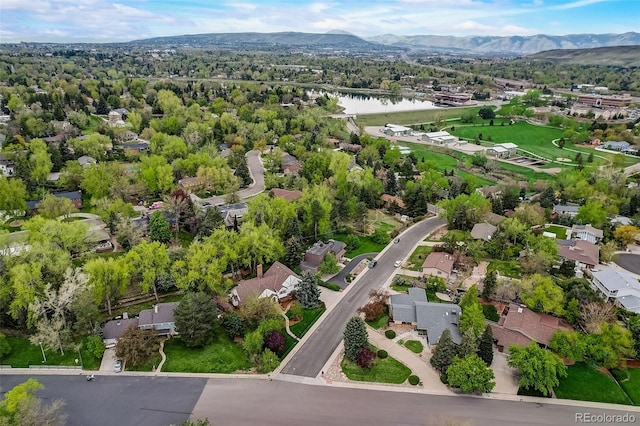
385,370
414,346
309,317
585,383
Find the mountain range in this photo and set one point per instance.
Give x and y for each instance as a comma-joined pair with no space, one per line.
342,40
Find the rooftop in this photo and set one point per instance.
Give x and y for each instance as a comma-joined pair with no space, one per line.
440,260
580,251
160,314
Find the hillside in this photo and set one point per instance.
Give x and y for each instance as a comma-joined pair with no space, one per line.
623,56
514,45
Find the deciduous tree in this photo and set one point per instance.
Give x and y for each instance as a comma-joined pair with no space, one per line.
136,346
147,261
542,295
470,374
539,368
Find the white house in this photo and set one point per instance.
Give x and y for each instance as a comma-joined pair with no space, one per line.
396,130
617,286
587,233
439,138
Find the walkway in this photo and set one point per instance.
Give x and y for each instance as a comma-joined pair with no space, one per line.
340,278
162,355
286,322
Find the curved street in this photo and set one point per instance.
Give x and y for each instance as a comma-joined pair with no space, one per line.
340,278
628,261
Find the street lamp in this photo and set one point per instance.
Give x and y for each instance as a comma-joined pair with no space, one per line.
81,363
44,357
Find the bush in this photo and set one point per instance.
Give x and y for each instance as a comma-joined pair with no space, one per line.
275,341
382,354
380,236
490,312
329,265
94,346
5,347
390,334
414,380
295,311
444,379
366,358
330,286
233,325
352,241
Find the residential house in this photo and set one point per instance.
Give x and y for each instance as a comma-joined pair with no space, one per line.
74,196
493,218
232,213
314,256
491,191
570,210
586,233
396,130
7,166
483,231
439,264
388,200
428,317
290,165
159,318
278,283
114,329
621,220
617,286
520,325
190,184
86,161
135,149
439,138
584,253
286,194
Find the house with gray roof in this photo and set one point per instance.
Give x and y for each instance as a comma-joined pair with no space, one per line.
232,213
159,318
429,318
570,210
483,231
617,286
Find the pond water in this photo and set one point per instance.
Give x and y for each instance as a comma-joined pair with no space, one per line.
358,103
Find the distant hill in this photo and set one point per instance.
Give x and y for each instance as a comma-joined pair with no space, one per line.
514,45
247,40
623,56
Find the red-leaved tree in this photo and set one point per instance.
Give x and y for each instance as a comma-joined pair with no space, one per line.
275,341
366,358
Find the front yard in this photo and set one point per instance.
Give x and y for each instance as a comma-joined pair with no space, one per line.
629,380
585,383
309,317
387,370
24,353
417,258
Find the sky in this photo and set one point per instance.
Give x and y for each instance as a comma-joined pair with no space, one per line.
119,20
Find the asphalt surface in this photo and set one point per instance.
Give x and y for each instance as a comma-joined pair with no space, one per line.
628,261
339,278
265,403
257,173
316,351
118,400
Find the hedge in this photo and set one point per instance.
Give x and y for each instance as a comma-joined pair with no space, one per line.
382,354
390,334
414,380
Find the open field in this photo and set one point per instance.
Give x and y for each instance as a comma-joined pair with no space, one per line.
413,117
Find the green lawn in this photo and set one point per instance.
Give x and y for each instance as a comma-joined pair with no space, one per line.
23,354
412,117
388,370
630,382
401,287
220,356
509,268
414,346
560,231
585,383
418,256
380,322
309,317
150,365
367,245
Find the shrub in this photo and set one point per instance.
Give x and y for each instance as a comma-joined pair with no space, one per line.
382,354
380,236
352,241
390,334
94,346
366,358
329,265
444,379
414,380
295,310
233,325
275,341
269,361
376,307
5,347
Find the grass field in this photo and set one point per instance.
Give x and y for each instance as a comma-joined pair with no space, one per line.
220,356
629,380
367,245
509,268
529,174
413,117
414,346
585,383
387,370
24,353
561,232
417,257
309,317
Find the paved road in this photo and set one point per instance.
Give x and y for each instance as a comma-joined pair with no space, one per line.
316,351
339,278
278,403
628,261
119,400
257,173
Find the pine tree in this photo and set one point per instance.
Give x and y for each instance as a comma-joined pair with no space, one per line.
444,353
308,293
242,172
391,186
159,227
355,338
489,284
468,344
590,158
485,348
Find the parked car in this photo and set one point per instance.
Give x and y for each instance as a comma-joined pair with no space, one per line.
396,241
398,263
373,263
118,366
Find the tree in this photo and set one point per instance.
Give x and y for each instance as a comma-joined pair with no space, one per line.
608,251
98,180
52,207
95,346
253,343
176,205
610,346
470,297
12,195
136,346
444,353
269,361
242,172
127,233
308,292
329,265
485,348
626,234
195,318
159,227
468,345
21,407
539,368
233,324
5,347
472,319
391,183
542,295
206,221
569,344
376,306
592,212
275,341
355,338
486,113
108,278
258,245
40,161
489,284
470,374
257,310
147,261
366,358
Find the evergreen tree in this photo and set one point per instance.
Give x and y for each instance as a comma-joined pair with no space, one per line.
590,158
391,186
444,353
547,198
242,172
355,338
485,348
308,292
195,319
468,344
293,252
159,227
489,284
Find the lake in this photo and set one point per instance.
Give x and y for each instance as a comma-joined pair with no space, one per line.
357,103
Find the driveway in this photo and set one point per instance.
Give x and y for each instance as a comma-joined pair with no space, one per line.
256,169
108,360
340,277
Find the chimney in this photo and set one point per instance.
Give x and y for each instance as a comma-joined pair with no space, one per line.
260,270
155,308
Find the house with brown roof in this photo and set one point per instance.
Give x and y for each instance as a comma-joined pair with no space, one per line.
278,283
586,254
439,264
288,195
483,231
520,325
314,256
388,200
290,165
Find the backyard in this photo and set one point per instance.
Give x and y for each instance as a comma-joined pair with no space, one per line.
585,383
387,370
560,231
507,268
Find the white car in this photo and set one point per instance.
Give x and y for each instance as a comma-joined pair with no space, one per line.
398,263
118,366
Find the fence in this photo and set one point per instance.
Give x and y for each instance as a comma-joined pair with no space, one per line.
55,367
